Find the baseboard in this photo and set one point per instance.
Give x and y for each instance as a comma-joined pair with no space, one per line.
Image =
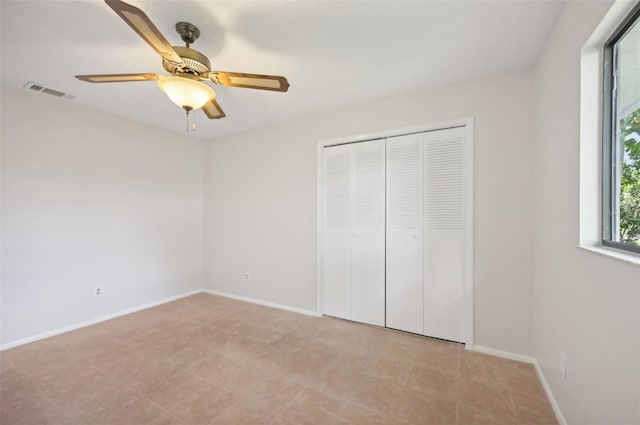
552,399
504,354
264,303
94,321
527,359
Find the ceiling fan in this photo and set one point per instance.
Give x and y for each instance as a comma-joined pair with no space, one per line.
187,66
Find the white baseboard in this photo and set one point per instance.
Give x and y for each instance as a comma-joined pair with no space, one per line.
264,303
504,354
94,321
552,399
534,362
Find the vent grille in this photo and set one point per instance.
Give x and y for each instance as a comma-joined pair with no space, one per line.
337,187
33,86
444,182
369,166
405,183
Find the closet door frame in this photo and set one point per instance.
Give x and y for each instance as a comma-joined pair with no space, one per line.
467,123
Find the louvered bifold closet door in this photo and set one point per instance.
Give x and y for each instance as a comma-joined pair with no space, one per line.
404,248
444,234
367,249
338,190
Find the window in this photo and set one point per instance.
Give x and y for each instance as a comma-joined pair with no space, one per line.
621,137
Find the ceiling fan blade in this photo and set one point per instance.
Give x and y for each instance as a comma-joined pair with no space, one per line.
141,24
213,110
118,78
250,81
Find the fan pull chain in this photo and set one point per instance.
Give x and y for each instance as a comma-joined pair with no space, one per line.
187,122
193,126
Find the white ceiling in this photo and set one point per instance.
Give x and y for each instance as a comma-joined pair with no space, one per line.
333,53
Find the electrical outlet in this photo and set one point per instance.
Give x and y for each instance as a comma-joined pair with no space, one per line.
98,291
246,276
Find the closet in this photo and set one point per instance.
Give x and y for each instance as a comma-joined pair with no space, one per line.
396,232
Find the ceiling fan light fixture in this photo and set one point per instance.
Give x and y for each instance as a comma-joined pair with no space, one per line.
186,93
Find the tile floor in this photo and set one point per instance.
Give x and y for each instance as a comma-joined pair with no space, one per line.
207,360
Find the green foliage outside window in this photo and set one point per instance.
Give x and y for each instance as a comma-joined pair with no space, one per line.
630,179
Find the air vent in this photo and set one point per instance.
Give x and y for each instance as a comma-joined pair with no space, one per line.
42,89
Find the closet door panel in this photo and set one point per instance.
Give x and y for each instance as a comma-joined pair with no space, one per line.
444,221
337,236
368,241
368,289
404,250
444,302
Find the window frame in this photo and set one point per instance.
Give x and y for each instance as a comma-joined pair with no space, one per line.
609,132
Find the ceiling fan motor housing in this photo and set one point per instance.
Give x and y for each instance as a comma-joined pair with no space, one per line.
195,65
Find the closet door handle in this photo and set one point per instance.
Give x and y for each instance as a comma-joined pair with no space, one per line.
416,236
355,234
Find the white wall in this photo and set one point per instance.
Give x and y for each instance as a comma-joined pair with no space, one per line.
586,306
260,200
92,200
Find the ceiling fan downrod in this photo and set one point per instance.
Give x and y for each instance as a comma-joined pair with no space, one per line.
188,32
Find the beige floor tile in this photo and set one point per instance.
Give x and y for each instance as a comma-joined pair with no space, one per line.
520,378
166,419
378,394
244,412
485,398
274,392
12,381
336,378
26,405
478,369
33,362
122,408
439,385
533,409
371,337
352,414
358,359
85,390
529,385
309,359
151,373
269,358
214,339
420,408
204,406
480,359
469,416
189,356
67,375
242,348
134,409
291,342
230,374
312,407
439,362
174,389
283,421
390,369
